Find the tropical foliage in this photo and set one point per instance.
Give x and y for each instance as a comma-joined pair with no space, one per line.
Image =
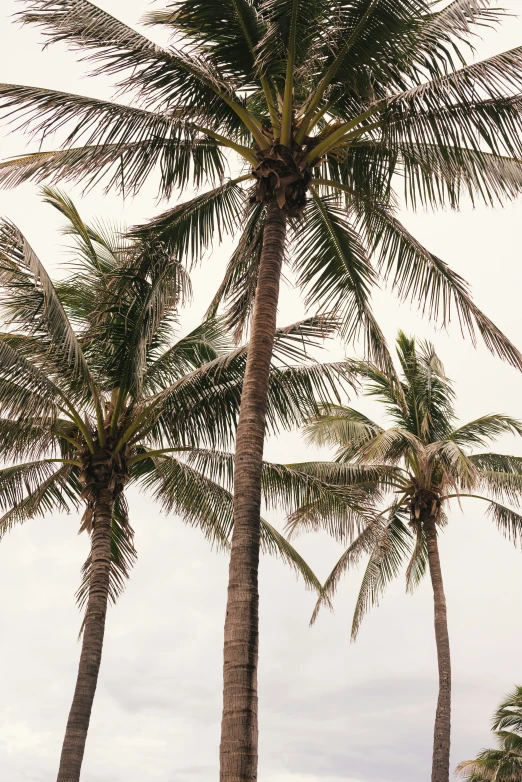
356,92
419,462
503,764
317,107
96,395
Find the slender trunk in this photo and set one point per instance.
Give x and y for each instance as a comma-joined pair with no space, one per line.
92,643
442,734
239,732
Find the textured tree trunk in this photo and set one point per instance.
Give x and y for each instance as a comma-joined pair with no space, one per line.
442,734
92,643
239,731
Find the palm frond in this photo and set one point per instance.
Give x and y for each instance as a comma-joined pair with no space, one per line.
333,266
239,285
189,228
60,492
363,544
343,427
509,713
165,77
123,556
508,522
31,302
24,389
418,563
391,548
202,345
486,428
418,275
229,32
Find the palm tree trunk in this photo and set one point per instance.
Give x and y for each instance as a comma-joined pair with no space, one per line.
239,731
442,734
93,632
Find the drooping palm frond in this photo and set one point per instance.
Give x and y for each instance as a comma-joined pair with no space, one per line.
418,275
391,548
332,264
189,228
123,557
486,428
509,713
60,491
507,520
201,501
238,288
30,302
343,427
363,544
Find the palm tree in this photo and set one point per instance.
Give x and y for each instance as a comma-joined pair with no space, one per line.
422,460
315,106
495,765
96,395
505,763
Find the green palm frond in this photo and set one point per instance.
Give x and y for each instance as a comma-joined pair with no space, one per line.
508,522
159,75
201,346
418,563
238,287
363,544
31,303
123,556
509,713
229,32
486,428
203,502
418,275
33,438
333,265
20,480
343,427
24,388
272,542
188,229
391,548
60,492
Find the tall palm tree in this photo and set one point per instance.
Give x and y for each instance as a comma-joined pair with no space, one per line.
315,106
422,460
505,763
96,395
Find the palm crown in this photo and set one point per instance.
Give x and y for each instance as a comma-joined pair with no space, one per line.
424,458
323,103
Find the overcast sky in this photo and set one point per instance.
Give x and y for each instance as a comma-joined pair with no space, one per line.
329,710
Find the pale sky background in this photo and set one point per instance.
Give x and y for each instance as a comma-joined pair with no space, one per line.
329,710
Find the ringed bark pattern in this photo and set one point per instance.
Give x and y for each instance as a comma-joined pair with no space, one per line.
92,643
442,732
239,729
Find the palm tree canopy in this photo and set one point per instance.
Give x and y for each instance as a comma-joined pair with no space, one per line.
422,461
503,764
318,104
91,372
